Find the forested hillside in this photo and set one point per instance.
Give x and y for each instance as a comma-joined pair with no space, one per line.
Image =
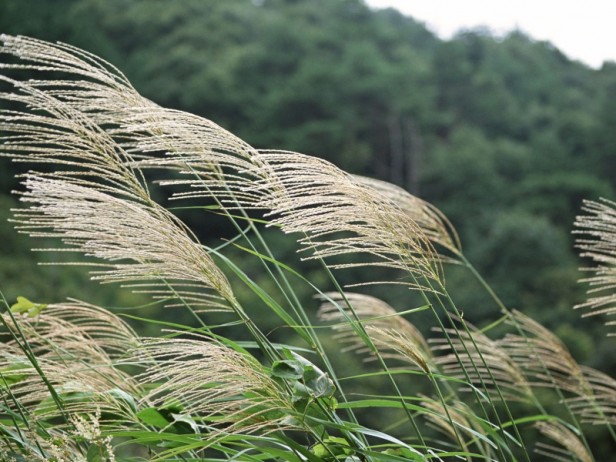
505,135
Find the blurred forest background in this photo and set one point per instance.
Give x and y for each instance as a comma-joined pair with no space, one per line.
505,135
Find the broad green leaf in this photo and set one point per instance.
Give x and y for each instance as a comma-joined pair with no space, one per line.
332,445
25,306
151,416
186,419
287,369
317,381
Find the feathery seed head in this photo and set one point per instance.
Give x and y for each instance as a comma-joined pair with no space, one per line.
231,391
79,385
543,357
75,345
120,132
431,220
456,420
76,330
339,215
598,403
394,336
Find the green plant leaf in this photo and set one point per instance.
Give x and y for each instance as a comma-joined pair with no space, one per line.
151,416
287,369
121,395
25,306
95,454
185,419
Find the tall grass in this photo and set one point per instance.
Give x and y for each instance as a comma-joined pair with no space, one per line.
78,383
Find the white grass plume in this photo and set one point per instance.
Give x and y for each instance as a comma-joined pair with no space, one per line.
229,390
568,444
76,346
542,356
142,245
337,214
547,363
74,125
597,405
598,228
432,221
394,336
456,422
80,387
76,330
97,95
473,355
49,131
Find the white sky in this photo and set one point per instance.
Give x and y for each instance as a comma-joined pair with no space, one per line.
582,30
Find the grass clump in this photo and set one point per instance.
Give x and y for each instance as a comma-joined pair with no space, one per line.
79,383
